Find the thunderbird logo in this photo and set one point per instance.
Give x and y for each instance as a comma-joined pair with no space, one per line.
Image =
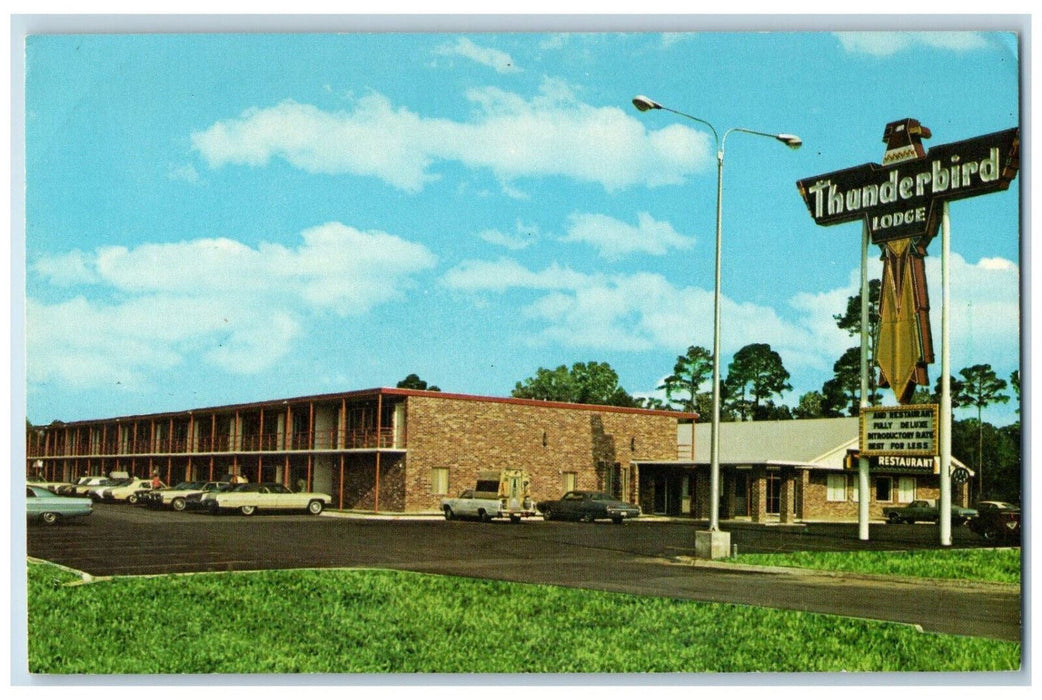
900,204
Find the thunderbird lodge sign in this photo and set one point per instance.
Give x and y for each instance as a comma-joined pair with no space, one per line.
900,204
900,200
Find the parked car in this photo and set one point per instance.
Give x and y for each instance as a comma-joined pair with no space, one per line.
51,486
997,521
50,508
129,491
587,506
176,496
83,485
249,498
498,494
925,511
194,501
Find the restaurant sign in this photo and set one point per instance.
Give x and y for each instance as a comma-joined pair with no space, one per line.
899,431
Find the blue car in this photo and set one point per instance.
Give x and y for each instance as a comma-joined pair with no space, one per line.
43,506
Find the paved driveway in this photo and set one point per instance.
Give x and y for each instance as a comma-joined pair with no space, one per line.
646,558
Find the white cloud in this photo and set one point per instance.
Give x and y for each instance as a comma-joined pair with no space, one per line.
890,43
644,311
505,274
66,269
215,301
614,238
499,61
985,314
521,239
551,134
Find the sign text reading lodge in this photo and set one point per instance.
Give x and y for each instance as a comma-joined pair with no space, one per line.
899,200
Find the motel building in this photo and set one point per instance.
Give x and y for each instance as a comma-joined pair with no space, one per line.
401,451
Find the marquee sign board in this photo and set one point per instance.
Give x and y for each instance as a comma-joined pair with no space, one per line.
899,431
902,200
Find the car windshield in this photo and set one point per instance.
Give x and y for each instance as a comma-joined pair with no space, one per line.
187,485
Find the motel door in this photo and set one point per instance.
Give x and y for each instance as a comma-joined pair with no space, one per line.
741,494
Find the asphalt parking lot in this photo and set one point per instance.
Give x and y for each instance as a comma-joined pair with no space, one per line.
651,557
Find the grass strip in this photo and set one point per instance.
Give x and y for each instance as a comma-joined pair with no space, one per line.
364,621
988,565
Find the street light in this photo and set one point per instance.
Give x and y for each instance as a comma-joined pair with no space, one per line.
644,104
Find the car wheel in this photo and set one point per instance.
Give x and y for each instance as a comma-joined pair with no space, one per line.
484,516
449,515
515,519
587,518
548,514
178,504
894,518
132,499
990,534
315,507
50,518
617,521
247,510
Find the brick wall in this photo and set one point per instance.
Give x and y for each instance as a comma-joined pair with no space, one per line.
469,436
816,505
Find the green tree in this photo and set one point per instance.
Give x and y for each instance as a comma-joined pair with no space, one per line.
980,388
690,372
810,405
413,381
847,382
1014,380
587,383
850,321
755,373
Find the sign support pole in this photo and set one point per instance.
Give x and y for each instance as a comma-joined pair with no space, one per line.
862,468
945,514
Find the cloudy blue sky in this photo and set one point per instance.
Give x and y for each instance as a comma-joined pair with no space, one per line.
215,219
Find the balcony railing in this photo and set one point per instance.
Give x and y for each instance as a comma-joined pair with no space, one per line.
360,439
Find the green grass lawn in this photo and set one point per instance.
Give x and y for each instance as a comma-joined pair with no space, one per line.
991,565
365,621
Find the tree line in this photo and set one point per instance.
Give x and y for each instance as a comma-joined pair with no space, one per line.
756,378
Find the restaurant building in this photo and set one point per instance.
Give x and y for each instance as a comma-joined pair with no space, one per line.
784,471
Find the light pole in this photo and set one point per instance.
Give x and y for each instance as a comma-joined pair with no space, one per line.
644,104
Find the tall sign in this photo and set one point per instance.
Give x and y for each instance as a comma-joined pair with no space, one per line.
900,203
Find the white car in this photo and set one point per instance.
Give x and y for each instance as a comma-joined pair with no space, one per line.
249,498
127,491
176,496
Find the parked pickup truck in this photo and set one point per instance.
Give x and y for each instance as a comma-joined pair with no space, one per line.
498,494
922,510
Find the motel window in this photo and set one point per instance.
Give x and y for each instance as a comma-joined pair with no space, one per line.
906,489
568,481
439,481
884,489
837,487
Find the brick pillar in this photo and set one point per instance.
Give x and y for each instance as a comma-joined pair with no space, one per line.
788,494
758,496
